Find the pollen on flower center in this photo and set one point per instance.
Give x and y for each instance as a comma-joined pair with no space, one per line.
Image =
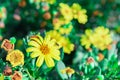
44,49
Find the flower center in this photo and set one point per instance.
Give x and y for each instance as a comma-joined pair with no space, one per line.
44,49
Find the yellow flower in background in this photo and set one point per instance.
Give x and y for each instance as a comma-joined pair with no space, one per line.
2,13
51,1
55,35
68,70
15,57
45,49
75,9
57,23
86,39
99,37
47,1
62,41
102,38
67,30
79,13
66,11
82,17
67,45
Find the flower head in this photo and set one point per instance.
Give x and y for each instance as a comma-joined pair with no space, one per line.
17,76
7,71
62,41
45,49
86,38
68,71
99,37
7,45
66,11
102,38
90,60
79,13
100,57
15,57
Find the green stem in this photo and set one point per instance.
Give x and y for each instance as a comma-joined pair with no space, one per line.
31,78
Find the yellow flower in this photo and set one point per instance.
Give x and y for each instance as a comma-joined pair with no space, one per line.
102,38
68,70
67,30
99,37
61,41
67,45
45,49
66,11
51,1
15,57
86,39
47,1
75,9
57,23
82,17
2,13
55,35
79,13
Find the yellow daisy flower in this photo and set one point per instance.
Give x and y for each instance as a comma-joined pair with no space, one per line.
81,16
75,9
79,13
99,37
102,38
61,41
15,57
67,45
45,49
86,39
66,11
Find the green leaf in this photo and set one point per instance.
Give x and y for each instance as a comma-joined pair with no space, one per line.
100,77
60,66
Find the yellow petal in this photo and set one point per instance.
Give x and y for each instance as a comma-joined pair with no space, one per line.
49,61
56,57
40,60
33,43
31,49
47,39
36,40
35,54
55,51
40,38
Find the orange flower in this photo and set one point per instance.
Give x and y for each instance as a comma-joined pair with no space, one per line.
22,3
90,60
68,70
17,76
7,45
7,71
100,56
47,16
